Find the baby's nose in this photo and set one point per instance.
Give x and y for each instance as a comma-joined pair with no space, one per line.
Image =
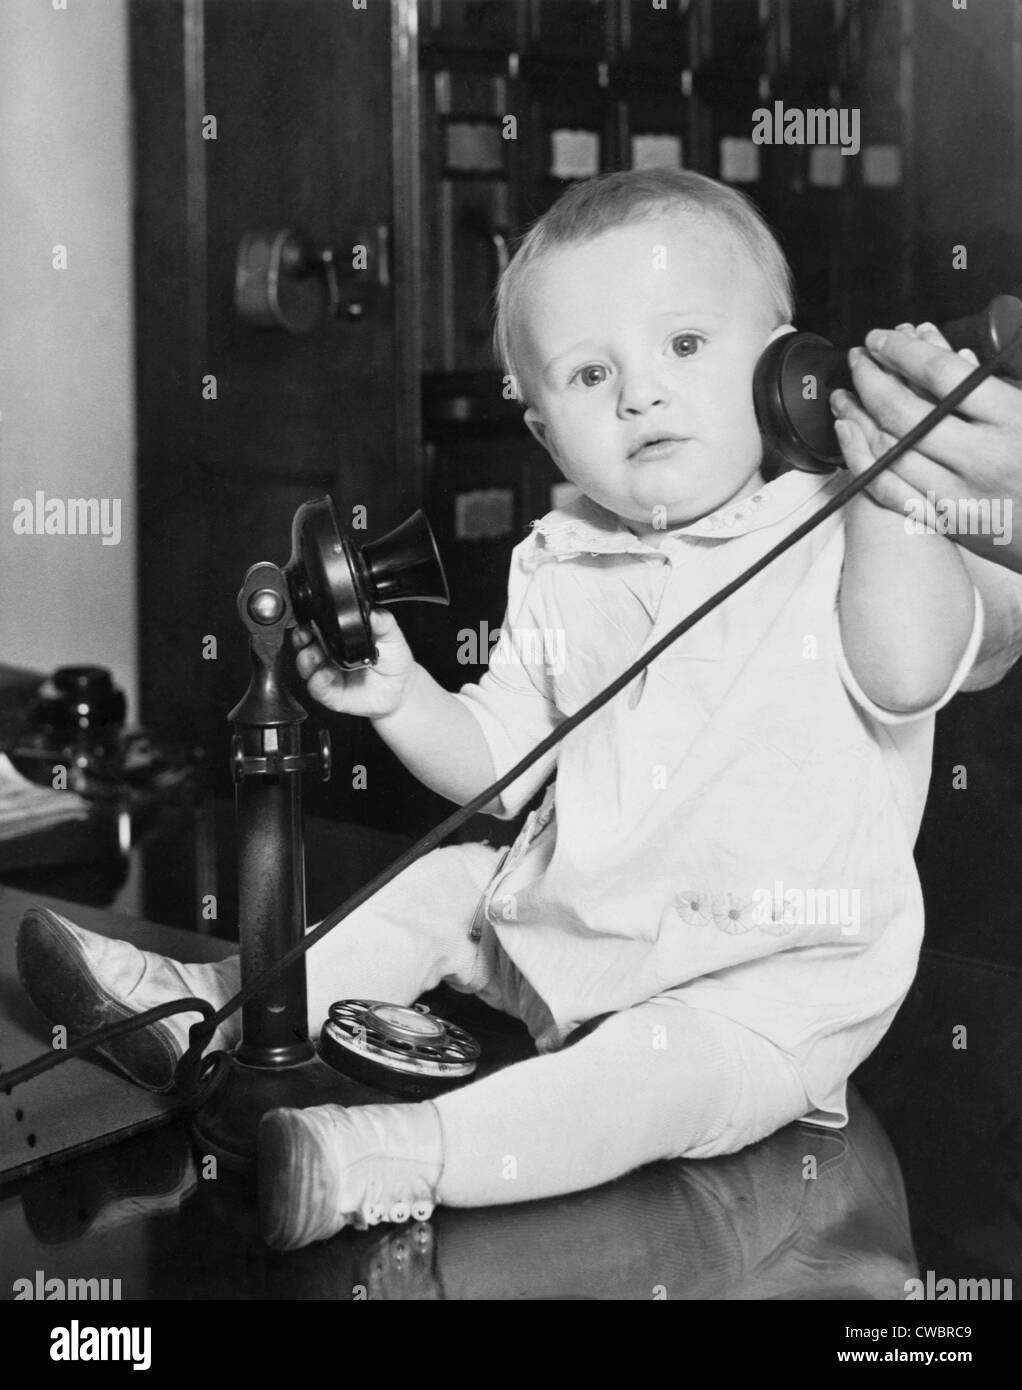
640,392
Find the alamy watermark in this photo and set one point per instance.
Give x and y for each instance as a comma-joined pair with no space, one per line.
959,516
529,646
71,516
967,1290
830,125
777,910
78,1343
808,907
55,1288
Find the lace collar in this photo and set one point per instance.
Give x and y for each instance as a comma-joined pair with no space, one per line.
585,528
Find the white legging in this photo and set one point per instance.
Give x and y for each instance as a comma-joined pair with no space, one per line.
659,1080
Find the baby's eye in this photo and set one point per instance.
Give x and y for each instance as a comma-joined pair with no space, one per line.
686,344
593,375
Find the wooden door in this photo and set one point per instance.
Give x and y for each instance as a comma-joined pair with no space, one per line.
264,113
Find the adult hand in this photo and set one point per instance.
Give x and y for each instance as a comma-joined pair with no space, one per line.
966,474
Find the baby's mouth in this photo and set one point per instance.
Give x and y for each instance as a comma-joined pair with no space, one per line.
657,446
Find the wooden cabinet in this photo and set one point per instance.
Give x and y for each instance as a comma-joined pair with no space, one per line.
521,99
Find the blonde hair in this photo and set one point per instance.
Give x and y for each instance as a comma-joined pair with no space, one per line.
615,200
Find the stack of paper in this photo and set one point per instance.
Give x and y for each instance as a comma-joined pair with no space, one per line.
26,807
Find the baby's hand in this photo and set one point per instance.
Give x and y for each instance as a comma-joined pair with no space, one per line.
373,691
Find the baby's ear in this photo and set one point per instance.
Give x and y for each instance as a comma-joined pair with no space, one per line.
538,429
780,331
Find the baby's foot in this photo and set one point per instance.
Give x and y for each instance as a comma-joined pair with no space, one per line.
86,981
329,1167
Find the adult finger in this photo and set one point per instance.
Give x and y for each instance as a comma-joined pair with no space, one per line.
928,365
897,408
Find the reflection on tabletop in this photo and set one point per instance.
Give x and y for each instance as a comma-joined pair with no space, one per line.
805,1214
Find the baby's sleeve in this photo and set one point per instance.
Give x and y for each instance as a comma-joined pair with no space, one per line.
513,702
957,682
1001,591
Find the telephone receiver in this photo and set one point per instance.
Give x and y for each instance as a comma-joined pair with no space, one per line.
796,374
334,583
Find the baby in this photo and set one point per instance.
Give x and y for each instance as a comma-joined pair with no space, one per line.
723,865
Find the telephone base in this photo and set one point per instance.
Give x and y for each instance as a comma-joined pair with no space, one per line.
226,1123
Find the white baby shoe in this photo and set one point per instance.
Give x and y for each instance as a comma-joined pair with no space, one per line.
330,1166
86,981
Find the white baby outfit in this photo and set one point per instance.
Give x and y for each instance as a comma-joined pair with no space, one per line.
736,827
724,863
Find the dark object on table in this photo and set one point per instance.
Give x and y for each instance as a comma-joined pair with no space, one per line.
76,720
80,707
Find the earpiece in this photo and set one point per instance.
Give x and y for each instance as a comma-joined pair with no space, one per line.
797,372
334,583
791,390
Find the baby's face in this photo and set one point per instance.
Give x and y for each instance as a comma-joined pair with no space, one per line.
638,350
